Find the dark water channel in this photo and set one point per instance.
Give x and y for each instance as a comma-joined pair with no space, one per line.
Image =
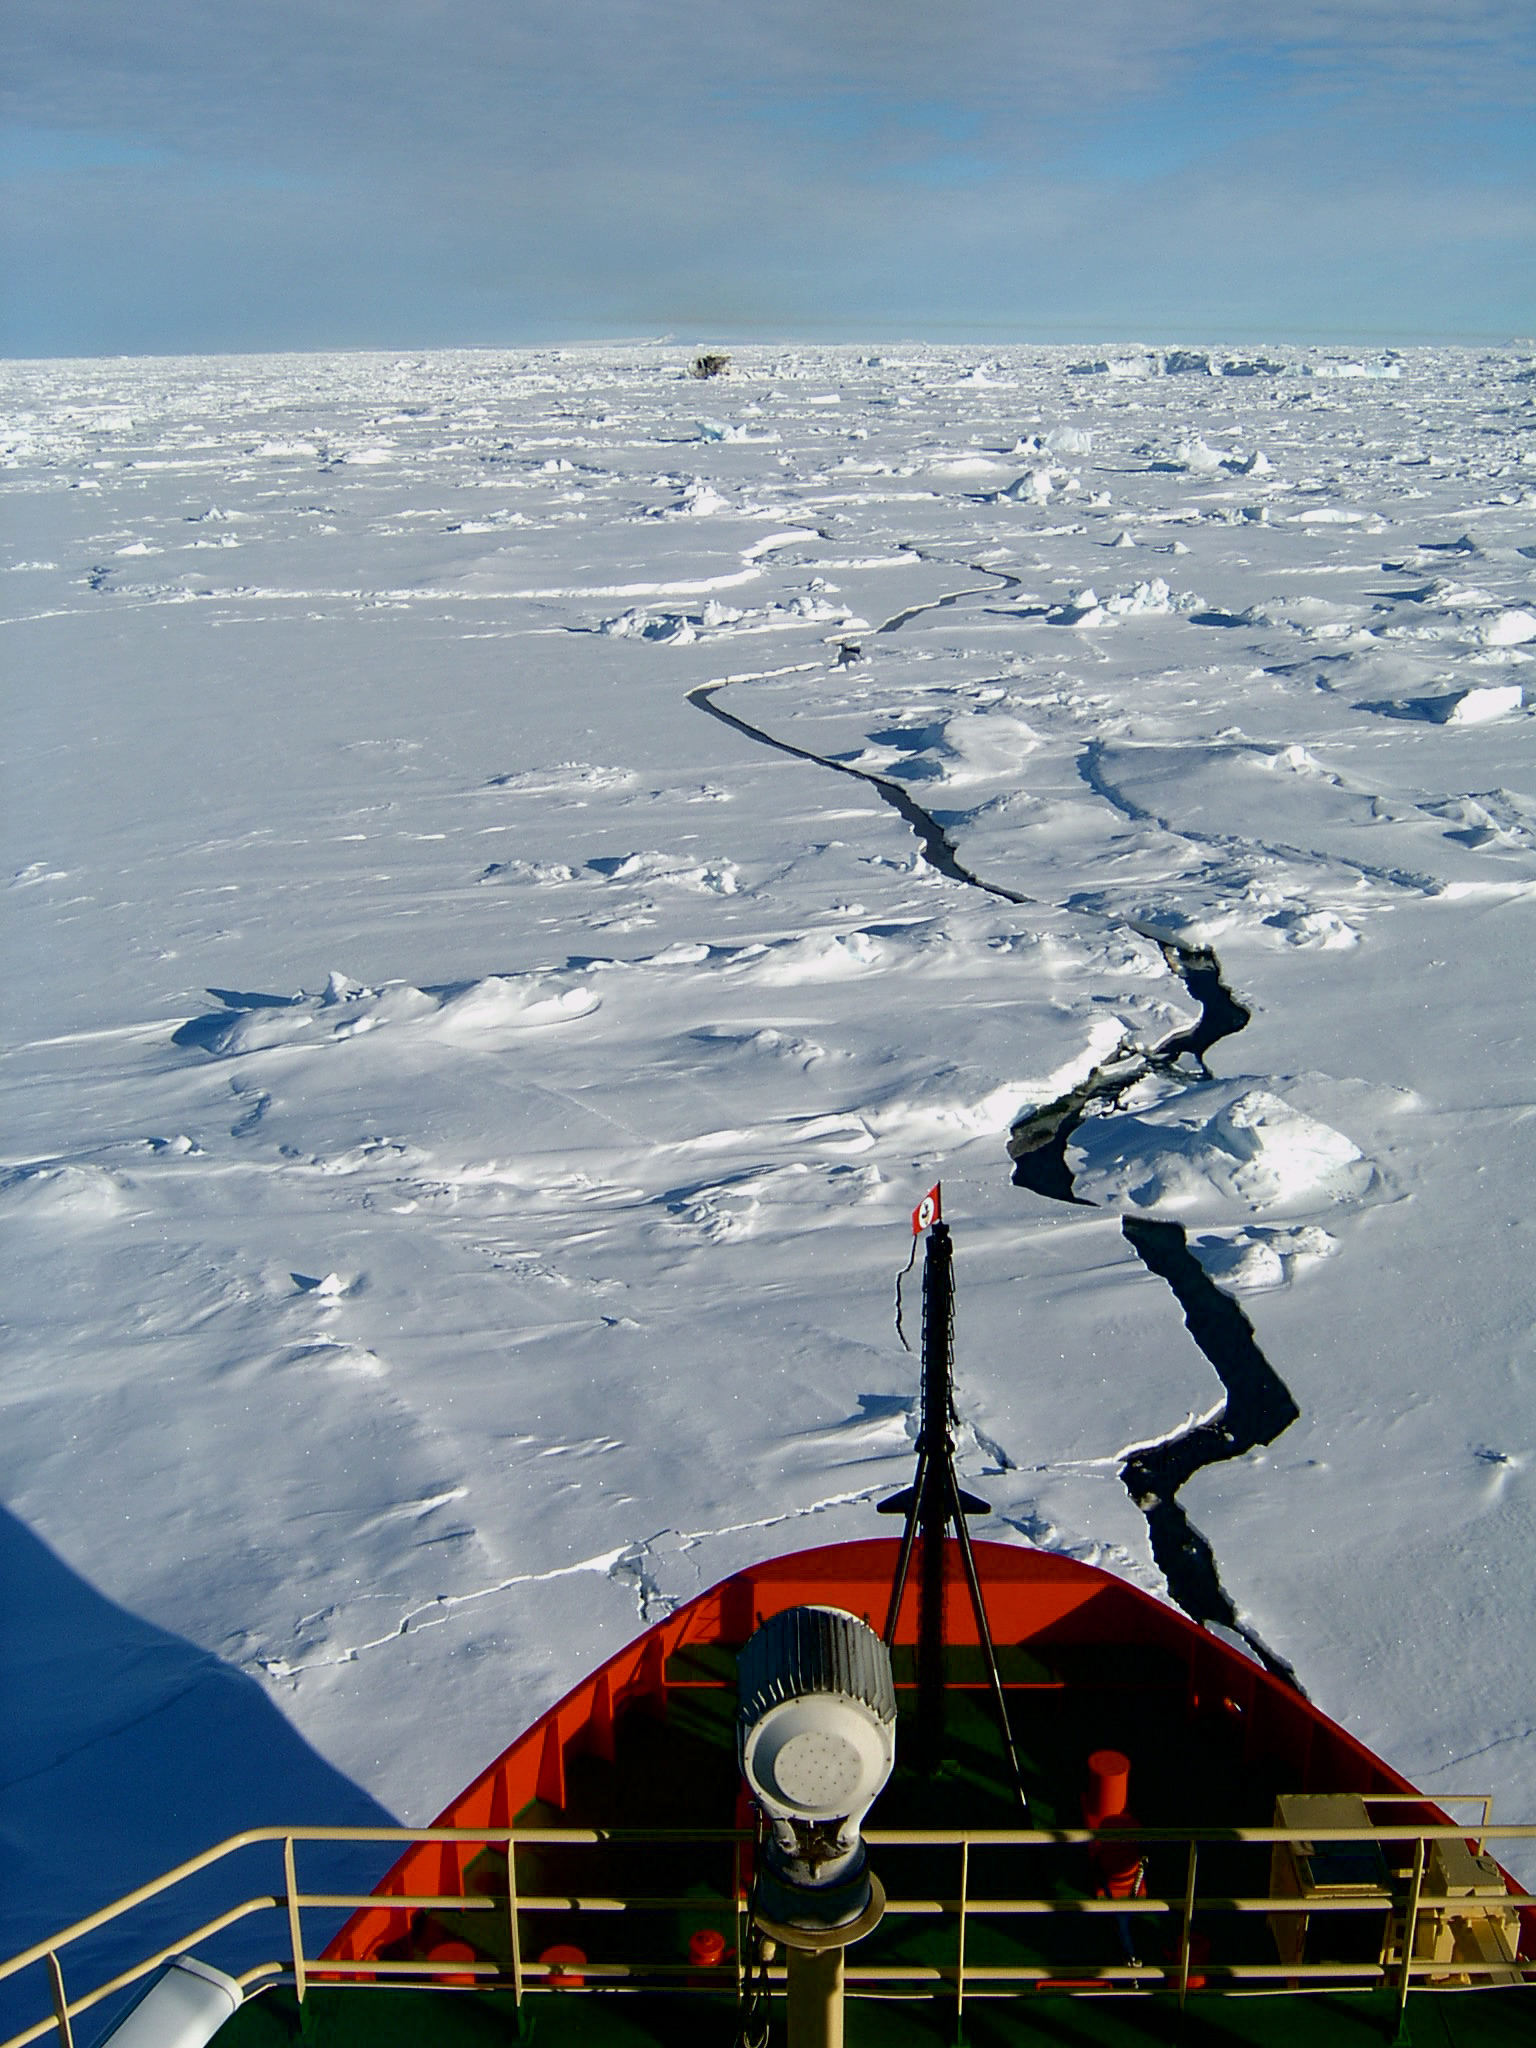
1038,1143
1258,1405
938,847
1258,1408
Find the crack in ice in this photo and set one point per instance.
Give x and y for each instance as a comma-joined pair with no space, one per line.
1256,1406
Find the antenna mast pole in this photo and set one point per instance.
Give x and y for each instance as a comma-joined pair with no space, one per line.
932,1507
935,1501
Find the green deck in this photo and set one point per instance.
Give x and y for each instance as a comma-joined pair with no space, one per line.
1185,1773
372,2018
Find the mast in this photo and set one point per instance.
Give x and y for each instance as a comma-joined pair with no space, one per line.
936,1446
935,1502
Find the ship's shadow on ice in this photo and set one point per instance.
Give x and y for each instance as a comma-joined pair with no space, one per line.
127,1750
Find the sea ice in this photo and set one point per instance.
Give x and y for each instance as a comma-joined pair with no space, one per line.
385,909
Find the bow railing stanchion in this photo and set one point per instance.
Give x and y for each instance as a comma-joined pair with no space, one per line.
60,2001
1189,1914
295,1933
1410,1931
516,1937
965,1893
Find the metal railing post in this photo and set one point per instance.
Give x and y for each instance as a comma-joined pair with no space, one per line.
965,1887
295,1936
517,1945
738,1907
1410,1929
1189,1910
60,2002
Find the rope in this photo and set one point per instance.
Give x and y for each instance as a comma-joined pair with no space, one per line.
906,1269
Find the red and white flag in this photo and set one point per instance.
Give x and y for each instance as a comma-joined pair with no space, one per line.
929,1210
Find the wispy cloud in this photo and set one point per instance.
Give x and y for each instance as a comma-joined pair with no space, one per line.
474,169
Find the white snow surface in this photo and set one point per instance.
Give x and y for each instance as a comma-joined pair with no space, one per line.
463,1102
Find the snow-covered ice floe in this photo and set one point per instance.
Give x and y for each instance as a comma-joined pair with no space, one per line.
464,1093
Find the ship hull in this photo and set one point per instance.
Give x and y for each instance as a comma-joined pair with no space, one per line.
1086,1659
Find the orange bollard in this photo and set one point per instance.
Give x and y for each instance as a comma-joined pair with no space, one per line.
1199,1952
1109,1786
706,1948
452,1952
562,1977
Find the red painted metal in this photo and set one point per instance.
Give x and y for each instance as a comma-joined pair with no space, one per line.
565,1963
1109,1786
1034,1597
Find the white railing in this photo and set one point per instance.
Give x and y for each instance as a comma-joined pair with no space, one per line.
1406,1901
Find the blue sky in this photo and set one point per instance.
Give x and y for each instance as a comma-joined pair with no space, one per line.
260,174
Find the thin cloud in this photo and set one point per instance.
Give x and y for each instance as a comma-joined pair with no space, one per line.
538,167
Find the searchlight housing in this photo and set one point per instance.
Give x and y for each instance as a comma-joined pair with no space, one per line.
816,1734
